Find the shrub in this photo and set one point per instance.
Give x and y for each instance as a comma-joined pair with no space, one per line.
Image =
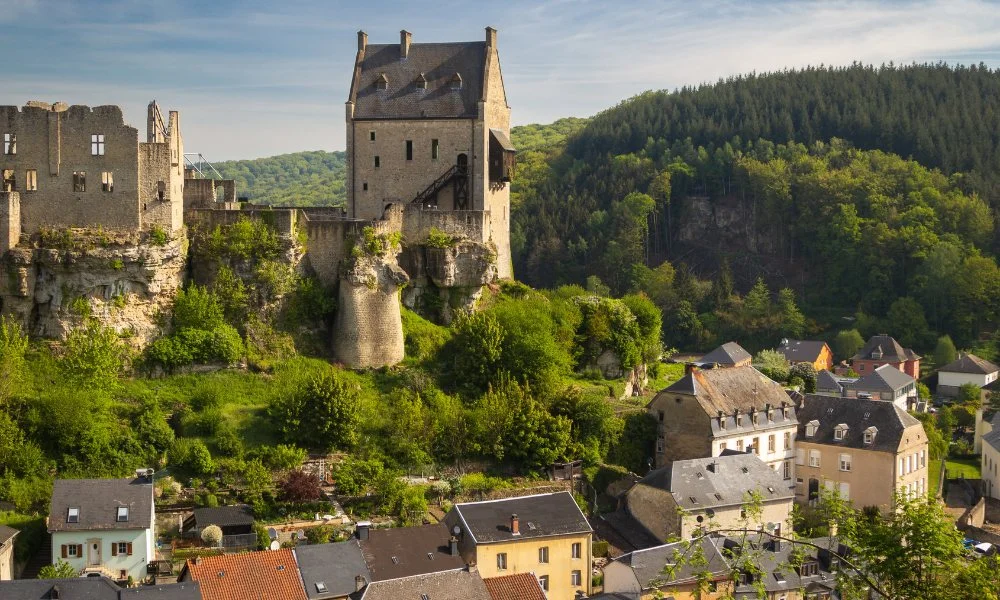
299,486
600,549
212,535
423,339
322,413
439,239
281,457
192,456
320,534
157,235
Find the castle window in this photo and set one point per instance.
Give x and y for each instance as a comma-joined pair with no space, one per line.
8,181
371,135
364,186
97,144
434,149
377,162
161,190
31,180
10,143
409,149
108,181
79,181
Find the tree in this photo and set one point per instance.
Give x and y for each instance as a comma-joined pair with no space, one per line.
907,321
773,364
413,506
212,535
60,570
792,322
299,486
192,455
320,534
847,343
946,421
93,358
321,414
807,373
944,351
257,479
969,394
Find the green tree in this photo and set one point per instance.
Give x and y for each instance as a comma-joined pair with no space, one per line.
322,414
847,343
773,364
413,506
94,357
791,320
60,570
970,395
907,321
257,479
946,421
944,351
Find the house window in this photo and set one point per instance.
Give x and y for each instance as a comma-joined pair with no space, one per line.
108,181
811,428
73,515
409,149
31,180
755,417
923,459
770,443
660,415
756,446
788,440
123,548
10,143
378,163
659,445
543,554
809,569
870,435
371,135
576,578
722,447
8,181
787,469
97,144
501,561
122,514
840,432
814,458
845,462
576,550
72,550
543,580
79,181
434,149
739,445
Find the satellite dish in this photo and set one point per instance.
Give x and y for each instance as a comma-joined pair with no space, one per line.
456,530
275,545
772,527
272,533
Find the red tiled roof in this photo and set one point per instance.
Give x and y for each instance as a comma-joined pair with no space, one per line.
264,575
522,586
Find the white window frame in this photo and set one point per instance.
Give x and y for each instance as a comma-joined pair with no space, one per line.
576,550
814,458
73,514
122,548
576,578
543,580
845,462
800,456
31,180
121,514
501,561
71,551
543,555
97,144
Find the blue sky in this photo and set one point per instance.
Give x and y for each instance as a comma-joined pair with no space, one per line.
262,78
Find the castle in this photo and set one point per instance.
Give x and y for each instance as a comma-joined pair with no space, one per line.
428,153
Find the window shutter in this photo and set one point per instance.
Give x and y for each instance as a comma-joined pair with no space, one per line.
79,550
64,553
130,548
114,548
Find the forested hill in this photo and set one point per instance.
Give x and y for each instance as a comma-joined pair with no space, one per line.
302,179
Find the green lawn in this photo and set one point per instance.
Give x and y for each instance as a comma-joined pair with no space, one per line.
967,467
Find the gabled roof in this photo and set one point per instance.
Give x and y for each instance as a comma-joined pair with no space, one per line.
189,590
730,389
541,515
886,378
77,588
7,534
522,586
993,439
263,575
970,363
334,566
858,414
727,354
825,380
776,572
223,516
408,551
802,350
885,347
456,584
98,501
672,563
403,99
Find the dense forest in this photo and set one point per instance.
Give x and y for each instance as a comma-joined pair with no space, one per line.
299,179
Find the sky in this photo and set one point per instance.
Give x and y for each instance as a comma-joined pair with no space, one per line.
255,78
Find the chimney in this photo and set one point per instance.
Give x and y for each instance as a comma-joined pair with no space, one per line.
472,567
714,466
359,583
404,44
515,525
197,560
775,545
690,368
362,529
453,546
362,40
491,37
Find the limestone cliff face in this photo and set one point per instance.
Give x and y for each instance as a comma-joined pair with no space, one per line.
368,331
445,280
726,222
125,285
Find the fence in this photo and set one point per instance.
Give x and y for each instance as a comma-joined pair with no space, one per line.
239,541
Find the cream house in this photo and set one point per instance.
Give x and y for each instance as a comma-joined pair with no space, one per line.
967,368
7,536
990,468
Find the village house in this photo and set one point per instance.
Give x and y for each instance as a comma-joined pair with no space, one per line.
966,369
709,411
454,584
670,571
545,534
812,352
408,551
236,523
104,526
332,571
729,354
690,497
7,535
989,459
778,574
987,419
882,349
884,383
863,449
832,384
264,575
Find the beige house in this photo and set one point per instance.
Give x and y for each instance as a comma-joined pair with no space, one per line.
863,449
709,411
668,572
691,497
990,460
545,534
7,536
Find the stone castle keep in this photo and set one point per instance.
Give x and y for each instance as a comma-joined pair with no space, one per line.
428,155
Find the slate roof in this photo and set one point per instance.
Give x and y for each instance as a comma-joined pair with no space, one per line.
438,64
729,353
408,551
540,515
263,575
522,586
189,590
334,565
7,534
98,501
730,389
648,564
993,439
886,378
970,363
223,516
891,350
77,588
801,350
777,573
456,584
858,414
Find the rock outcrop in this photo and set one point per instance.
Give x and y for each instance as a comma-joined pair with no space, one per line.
445,280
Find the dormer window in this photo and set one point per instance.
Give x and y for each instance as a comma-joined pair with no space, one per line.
73,515
381,82
755,417
421,82
840,432
122,514
455,82
870,435
809,569
739,420
811,428
770,416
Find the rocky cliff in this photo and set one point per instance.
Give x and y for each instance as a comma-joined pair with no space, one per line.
447,279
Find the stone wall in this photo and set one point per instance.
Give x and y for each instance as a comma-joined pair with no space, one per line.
418,222
368,331
10,220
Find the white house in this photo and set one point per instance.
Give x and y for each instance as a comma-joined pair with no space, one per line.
968,368
104,526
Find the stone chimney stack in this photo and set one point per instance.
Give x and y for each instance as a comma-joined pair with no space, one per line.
515,525
453,546
362,40
359,583
491,37
405,37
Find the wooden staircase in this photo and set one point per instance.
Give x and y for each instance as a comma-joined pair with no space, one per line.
428,196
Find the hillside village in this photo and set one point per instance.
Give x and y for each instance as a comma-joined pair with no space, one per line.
734,474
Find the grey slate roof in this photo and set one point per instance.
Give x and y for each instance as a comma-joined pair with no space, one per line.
539,516
98,501
891,350
719,481
457,584
858,414
403,99
827,381
801,350
185,590
886,378
729,353
993,439
7,534
94,588
335,565
648,564
777,573
223,516
408,551
970,363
